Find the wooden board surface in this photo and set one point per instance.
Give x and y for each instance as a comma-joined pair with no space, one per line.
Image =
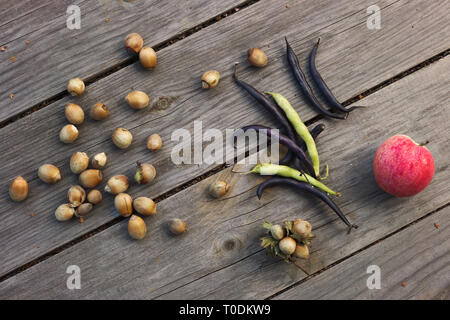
419,268
220,257
348,69
55,53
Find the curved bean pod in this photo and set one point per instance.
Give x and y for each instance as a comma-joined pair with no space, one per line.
329,96
301,79
314,134
286,142
267,103
269,169
300,128
275,181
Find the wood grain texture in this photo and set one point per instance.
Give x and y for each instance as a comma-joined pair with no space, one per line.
55,53
414,264
219,257
33,140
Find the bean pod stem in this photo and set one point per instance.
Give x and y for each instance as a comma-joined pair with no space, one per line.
269,169
301,79
300,128
321,84
291,145
265,102
274,181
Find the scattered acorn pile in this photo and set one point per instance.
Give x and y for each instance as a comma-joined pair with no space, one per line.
89,178
287,242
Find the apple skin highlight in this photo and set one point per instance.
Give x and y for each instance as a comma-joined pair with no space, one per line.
402,167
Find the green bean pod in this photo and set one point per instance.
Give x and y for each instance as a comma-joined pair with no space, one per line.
268,169
300,128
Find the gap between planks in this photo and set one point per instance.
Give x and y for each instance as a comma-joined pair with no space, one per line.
133,59
393,233
219,168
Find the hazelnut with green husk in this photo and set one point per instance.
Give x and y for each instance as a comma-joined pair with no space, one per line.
288,241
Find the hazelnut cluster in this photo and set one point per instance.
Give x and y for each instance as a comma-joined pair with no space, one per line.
290,240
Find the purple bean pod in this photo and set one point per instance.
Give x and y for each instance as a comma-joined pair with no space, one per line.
275,181
321,84
269,105
291,145
308,93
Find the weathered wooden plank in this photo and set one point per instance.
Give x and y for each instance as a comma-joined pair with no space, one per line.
23,238
414,264
21,18
349,150
220,257
55,53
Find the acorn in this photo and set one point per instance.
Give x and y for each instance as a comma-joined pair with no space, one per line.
133,43
147,57
123,204
90,178
99,160
64,212
287,245
49,173
137,99
302,228
122,138
74,113
210,79
79,162
68,134
277,232
145,173
18,190
117,184
144,206
257,57
83,209
301,251
154,142
136,227
176,226
99,111
218,189
94,196
75,86
76,195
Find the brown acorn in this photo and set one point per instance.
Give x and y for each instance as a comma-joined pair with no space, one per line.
136,227
18,190
176,226
74,113
257,57
79,162
117,184
133,43
123,204
49,173
91,178
76,195
144,206
94,196
145,173
99,111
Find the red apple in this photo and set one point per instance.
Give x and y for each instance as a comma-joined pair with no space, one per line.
402,167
